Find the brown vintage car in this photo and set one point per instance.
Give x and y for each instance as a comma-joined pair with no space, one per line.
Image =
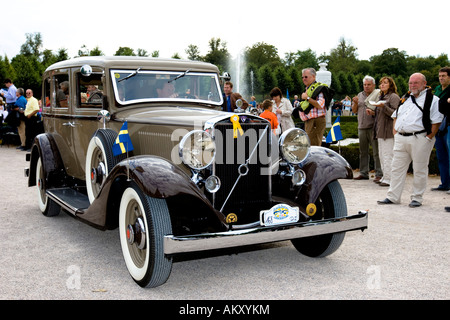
143,145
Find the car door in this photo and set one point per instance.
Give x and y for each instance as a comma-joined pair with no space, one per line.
87,103
60,120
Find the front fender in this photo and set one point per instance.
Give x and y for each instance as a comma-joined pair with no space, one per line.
322,166
156,176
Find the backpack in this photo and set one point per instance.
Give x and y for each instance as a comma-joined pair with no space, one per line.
313,91
426,121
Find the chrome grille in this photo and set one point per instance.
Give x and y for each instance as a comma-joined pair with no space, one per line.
254,188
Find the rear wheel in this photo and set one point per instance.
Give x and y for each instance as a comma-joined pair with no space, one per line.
143,223
330,204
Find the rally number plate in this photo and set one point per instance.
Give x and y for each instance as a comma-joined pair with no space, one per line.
279,214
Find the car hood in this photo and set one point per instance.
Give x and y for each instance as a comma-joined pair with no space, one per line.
179,116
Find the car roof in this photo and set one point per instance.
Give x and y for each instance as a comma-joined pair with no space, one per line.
133,62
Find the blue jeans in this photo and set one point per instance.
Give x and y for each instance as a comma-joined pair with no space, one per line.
441,146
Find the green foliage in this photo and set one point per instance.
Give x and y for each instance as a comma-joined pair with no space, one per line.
269,70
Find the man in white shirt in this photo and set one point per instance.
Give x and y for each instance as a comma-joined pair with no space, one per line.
416,122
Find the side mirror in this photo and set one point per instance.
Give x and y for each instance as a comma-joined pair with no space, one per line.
86,70
103,116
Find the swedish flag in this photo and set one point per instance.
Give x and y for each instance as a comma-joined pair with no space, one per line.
123,142
335,133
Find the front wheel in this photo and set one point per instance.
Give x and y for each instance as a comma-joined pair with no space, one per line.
330,204
143,223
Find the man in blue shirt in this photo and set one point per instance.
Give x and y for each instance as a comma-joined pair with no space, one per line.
10,95
19,107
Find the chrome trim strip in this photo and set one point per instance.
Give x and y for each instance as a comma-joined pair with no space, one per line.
259,235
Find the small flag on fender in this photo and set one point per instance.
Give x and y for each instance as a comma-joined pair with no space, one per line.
123,141
335,133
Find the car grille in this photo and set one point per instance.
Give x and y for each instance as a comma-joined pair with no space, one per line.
254,189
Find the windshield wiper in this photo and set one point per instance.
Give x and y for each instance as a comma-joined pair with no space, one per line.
179,76
130,75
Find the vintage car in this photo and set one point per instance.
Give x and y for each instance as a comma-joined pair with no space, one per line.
143,145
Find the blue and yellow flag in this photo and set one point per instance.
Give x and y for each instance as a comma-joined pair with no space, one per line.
123,142
335,133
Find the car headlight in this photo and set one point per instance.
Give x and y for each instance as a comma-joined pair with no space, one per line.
294,145
197,149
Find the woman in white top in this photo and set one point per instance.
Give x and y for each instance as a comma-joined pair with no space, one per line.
282,107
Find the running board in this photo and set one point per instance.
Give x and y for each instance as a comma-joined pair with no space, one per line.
70,200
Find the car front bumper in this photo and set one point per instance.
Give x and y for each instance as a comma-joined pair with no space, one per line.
259,235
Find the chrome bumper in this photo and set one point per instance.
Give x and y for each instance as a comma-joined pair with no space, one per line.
221,240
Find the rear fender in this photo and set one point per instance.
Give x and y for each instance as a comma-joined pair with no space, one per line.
44,147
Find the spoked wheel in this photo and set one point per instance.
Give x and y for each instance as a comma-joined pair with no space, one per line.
47,206
143,223
330,204
100,161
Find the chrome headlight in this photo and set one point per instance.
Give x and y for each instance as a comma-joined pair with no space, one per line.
294,145
197,149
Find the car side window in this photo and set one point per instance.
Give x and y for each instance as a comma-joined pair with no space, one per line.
62,88
89,91
47,94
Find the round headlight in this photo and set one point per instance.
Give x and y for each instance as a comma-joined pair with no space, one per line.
294,145
197,149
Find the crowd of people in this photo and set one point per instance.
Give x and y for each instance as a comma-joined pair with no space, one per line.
19,113
400,131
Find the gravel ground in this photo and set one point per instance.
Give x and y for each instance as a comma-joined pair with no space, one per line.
403,255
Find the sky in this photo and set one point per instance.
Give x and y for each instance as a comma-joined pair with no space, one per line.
171,26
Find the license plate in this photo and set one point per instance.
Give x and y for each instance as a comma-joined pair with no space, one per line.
279,214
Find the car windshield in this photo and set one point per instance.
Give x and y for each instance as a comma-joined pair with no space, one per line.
134,86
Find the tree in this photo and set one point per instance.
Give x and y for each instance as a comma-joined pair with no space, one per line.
125,51
218,54
193,52
29,76
267,79
261,54
306,59
297,84
32,45
84,51
343,57
284,81
142,53
390,62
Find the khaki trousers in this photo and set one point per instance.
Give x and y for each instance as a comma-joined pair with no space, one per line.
406,149
386,153
315,129
21,131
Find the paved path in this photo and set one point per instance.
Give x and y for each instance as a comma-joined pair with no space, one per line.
404,254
